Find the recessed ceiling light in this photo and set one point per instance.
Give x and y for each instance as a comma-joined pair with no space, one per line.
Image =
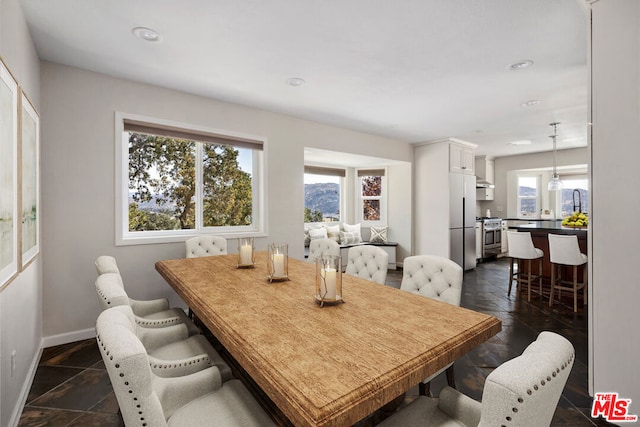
295,81
146,34
530,103
520,65
521,142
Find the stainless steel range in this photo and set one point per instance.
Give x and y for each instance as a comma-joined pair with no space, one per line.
491,237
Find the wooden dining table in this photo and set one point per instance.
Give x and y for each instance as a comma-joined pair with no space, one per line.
329,365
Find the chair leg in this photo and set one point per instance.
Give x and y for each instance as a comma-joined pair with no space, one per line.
553,282
540,277
451,378
575,288
510,276
559,280
528,280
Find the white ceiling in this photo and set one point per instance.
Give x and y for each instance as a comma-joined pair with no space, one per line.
415,70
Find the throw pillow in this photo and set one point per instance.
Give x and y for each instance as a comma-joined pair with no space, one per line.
349,238
354,228
379,234
333,232
318,233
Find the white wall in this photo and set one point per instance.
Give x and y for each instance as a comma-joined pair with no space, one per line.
431,199
78,183
399,208
20,301
506,164
613,256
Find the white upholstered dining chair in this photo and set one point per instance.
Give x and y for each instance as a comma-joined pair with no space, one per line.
522,392
207,245
437,278
368,262
320,247
172,351
106,264
151,314
145,399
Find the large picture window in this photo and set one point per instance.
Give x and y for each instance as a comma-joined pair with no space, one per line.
178,180
323,195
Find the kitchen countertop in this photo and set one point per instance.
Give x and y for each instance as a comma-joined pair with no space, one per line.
529,219
551,226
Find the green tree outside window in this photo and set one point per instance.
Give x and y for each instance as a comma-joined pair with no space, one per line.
162,184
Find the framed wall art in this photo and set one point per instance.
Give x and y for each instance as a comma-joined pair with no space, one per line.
8,175
29,178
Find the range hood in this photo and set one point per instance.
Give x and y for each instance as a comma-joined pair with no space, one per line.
481,183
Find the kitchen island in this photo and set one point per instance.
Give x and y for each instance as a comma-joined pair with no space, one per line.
551,226
540,235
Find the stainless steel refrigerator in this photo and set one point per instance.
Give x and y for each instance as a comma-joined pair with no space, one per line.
462,219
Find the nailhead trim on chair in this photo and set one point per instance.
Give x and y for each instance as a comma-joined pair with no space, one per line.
121,375
169,321
103,296
536,387
142,322
178,365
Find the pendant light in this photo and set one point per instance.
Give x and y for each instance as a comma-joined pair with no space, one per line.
555,184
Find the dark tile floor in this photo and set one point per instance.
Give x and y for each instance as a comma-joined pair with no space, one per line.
71,386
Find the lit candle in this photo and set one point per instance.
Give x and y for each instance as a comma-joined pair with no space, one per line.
278,265
329,281
245,254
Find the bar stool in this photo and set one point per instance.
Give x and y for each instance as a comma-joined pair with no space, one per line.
521,249
564,250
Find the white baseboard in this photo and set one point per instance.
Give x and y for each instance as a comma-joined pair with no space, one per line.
68,337
26,387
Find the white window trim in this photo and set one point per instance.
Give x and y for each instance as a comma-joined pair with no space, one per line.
383,199
124,237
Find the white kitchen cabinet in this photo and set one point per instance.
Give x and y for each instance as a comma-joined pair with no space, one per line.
461,159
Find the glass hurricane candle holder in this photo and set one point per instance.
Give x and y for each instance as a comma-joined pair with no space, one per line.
329,280
246,252
278,262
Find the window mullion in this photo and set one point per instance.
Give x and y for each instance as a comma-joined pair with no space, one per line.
199,187
256,189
